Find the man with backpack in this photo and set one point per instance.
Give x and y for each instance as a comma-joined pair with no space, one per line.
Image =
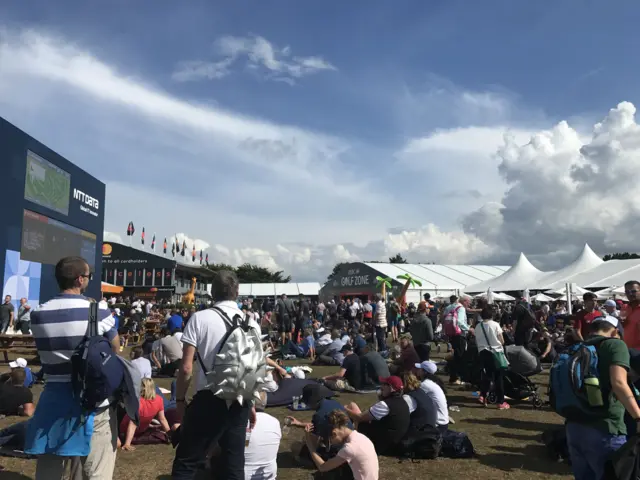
61,427
454,321
285,314
595,398
229,353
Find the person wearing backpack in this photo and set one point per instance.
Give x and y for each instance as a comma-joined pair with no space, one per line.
454,320
227,383
61,428
594,432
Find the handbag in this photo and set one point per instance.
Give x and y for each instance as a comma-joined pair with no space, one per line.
499,358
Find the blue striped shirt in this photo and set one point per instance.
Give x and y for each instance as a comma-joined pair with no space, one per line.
59,326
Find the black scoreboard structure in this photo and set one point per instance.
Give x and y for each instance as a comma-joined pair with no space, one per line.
51,209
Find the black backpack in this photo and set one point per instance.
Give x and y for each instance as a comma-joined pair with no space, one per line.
422,443
96,372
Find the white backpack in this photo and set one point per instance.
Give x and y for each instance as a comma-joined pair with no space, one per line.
239,368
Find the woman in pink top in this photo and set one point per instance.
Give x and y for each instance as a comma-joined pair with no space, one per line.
357,450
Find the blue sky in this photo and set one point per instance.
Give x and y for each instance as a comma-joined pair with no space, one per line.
297,134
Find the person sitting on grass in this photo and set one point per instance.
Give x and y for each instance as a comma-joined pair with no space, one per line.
356,450
349,377
151,407
306,349
408,356
29,378
15,398
315,396
386,423
436,392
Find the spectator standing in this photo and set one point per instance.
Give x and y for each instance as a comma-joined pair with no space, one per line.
59,429
489,340
23,322
7,311
381,323
631,315
582,319
285,313
422,332
459,341
209,417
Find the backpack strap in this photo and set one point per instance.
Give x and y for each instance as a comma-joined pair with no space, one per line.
231,324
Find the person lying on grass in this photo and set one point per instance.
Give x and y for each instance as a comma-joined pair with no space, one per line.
356,450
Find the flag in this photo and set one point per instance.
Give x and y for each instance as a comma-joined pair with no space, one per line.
193,253
142,236
130,229
200,257
184,248
177,244
153,243
173,250
207,259
164,246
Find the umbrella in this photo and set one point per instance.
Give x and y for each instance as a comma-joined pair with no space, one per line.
541,297
503,297
576,291
611,291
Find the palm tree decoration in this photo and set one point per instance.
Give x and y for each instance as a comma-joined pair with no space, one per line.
384,283
409,282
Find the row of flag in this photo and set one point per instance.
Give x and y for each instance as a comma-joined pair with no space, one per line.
175,247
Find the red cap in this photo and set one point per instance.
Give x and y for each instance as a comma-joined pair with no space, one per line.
393,381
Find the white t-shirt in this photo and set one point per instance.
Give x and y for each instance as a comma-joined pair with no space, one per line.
178,336
439,399
260,457
205,331
492,330
381,410
143,365
324,340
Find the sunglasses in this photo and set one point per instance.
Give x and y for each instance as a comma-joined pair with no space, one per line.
632,292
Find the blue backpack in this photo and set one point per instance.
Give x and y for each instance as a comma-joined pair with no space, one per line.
573,372
96,372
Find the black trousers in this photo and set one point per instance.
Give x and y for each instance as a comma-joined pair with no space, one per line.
381,337
491,374
459,345
206,420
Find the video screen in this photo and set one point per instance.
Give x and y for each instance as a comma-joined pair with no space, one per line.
46,184
45,240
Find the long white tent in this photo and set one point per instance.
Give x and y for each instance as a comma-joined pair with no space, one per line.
256,290
587,271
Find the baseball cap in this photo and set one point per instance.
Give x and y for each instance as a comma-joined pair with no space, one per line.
428,366
393,381
608,318
610,303
19,362
346,348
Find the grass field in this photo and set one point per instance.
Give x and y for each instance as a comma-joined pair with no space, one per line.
507,442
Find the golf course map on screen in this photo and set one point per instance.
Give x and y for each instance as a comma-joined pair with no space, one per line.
46,184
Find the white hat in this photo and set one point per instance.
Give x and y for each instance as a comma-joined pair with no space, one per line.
608,318
299,374
610,303
117,310
20,362
428,366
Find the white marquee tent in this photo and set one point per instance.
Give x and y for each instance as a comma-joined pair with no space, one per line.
256,290
522,275
587,260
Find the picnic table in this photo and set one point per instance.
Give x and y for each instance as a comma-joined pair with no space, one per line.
14,343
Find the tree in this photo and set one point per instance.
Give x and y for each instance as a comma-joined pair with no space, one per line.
397,258
248,273
620,256
336,269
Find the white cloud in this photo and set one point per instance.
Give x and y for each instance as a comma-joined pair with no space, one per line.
259,55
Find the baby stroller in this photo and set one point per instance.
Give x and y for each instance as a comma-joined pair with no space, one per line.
517,384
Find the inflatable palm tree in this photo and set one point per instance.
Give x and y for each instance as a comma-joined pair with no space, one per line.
409,282
384,283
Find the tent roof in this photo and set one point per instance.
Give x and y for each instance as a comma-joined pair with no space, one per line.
522,275
585,261
439,277
277,289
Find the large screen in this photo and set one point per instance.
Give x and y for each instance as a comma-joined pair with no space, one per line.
46,184
45,240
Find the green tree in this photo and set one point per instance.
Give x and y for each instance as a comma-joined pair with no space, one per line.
248,273
397,258
620,256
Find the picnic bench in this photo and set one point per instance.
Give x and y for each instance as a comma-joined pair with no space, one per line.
17,343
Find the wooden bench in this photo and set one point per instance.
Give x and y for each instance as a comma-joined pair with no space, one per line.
17,343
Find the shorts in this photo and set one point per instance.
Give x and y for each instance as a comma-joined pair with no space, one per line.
284,325
393,322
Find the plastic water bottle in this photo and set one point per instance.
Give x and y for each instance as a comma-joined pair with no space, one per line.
296,402
286,428
247,436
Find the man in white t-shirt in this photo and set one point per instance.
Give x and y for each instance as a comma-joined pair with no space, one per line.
436,395
260,457
209,417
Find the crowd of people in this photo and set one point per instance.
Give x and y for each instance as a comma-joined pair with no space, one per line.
378,346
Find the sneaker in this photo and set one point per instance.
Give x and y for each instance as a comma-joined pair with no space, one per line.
483,401
504,406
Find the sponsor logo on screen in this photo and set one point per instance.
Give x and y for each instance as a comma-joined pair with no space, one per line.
88,204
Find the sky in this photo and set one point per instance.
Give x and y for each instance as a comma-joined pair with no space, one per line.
296,135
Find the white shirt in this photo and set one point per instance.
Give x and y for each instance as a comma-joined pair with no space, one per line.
440,408
205,331
260,457
143,365
178,336
381,314
493,330
324,340
381,410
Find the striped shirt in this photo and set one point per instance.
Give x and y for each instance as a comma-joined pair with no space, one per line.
59,326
